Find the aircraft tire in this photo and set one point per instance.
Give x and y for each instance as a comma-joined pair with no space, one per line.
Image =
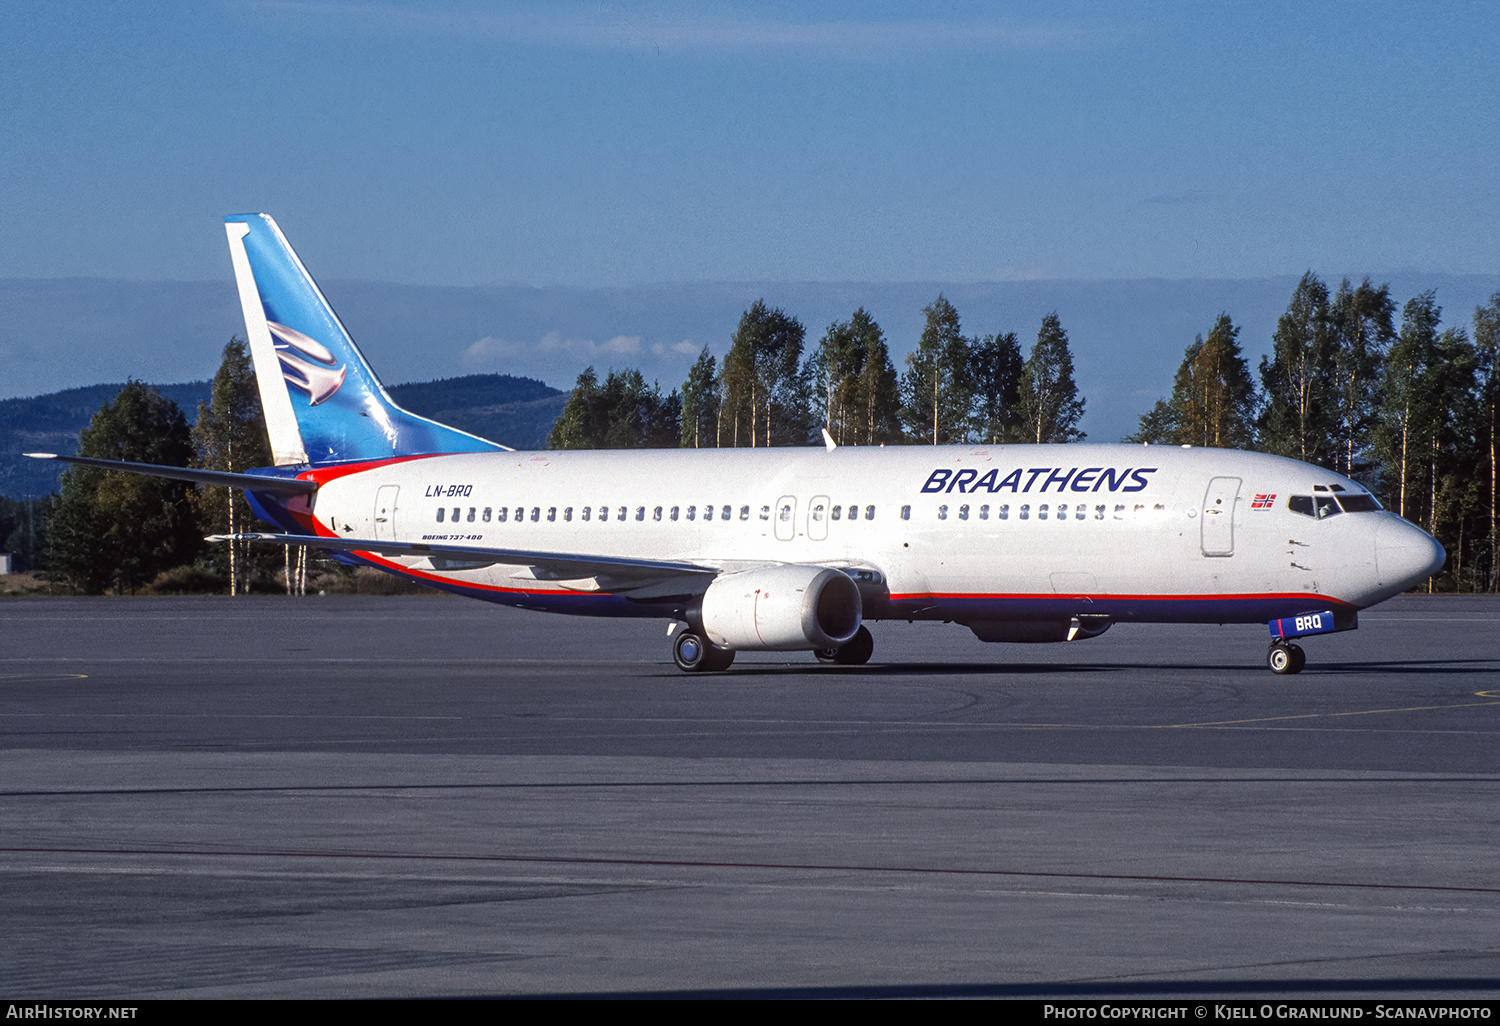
854,652
718,659
1286,659
689,651
693,654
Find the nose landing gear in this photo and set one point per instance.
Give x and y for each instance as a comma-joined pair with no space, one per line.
1285,657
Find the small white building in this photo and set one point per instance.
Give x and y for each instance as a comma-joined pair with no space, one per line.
7,563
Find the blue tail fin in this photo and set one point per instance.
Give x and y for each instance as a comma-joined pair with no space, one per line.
322,402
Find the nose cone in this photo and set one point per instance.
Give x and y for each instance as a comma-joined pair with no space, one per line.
1405,554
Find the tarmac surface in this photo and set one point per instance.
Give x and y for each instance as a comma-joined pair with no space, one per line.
423,796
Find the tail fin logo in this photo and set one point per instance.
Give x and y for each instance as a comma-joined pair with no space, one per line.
317,375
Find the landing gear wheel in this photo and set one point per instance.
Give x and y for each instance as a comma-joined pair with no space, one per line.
694,654
854,652
1286,658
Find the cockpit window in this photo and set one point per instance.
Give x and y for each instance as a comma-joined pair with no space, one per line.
1317,506
1359,503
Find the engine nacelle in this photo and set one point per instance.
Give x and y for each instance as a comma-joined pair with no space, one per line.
781,609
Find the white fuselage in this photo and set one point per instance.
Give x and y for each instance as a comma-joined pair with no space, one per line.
971,533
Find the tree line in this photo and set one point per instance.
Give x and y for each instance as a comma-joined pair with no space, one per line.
770,391
112,532
1402,404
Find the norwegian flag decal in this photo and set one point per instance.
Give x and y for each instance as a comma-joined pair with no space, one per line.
1263,501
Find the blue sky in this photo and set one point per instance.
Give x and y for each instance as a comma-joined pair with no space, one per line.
617,144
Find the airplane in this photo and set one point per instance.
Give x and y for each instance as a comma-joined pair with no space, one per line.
795,549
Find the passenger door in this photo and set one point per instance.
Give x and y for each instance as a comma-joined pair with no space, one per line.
1218,516
385,512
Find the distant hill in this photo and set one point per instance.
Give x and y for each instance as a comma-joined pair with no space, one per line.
518,412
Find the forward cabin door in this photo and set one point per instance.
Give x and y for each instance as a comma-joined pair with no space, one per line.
385,512
1218,516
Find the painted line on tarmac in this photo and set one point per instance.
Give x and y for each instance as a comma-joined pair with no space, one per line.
582,860
1315,716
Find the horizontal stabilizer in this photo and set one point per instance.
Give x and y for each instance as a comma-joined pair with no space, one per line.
571,565
249,482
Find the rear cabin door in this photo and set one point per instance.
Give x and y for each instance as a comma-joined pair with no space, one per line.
1218,516
385,512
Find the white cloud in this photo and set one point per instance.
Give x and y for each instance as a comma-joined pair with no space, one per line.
685,348
491,353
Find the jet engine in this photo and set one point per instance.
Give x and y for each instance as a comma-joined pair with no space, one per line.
781,608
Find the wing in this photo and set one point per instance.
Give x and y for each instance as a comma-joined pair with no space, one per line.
546,566
249,482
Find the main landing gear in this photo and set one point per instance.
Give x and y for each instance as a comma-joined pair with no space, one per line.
692,652
1285,657
854,652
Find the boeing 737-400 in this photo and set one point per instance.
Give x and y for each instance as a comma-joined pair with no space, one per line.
778,549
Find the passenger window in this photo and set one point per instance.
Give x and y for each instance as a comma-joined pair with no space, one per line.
1098,512
837,510
640,513
1004,513
674,512
1119,512
817,512
1025,511
486,517
1041,512
520,514
551,514
603,513
942,512
656,513
442,512
1080,512
587,510
692,512
869,512
724,513
905,512
1158,509
623,511
568,515
984,512
502,513
744,512
963,512
853,512
1062,511
1137,511
708,511
786,513
470,517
